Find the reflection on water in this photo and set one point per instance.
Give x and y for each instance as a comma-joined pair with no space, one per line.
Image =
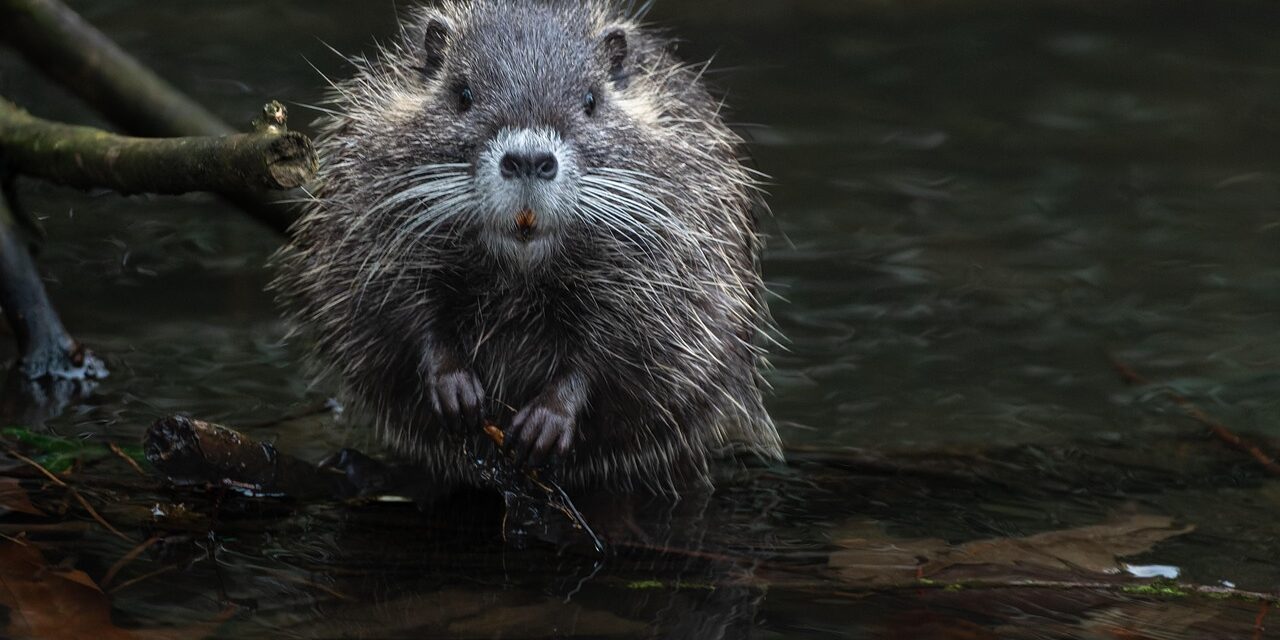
976,203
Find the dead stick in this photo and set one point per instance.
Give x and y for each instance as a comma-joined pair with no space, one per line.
125,560
1258,622
76,494
115,448
553,495
146,576
86,158
1219,430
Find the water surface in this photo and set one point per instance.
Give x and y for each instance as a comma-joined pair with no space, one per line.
976,206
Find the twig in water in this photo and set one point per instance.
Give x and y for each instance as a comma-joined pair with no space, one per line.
1219,430
146,576
124,456
1258,627
553,496
76,494
125,560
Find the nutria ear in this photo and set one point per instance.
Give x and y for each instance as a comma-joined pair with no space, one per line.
434,38
613,46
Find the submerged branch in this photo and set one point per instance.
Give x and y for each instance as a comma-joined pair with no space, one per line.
45,347
85,157
70,489
1216,428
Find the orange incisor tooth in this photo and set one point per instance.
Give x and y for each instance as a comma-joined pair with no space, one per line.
526,218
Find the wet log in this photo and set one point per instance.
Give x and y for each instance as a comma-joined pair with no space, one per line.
85,157
191,452
194,453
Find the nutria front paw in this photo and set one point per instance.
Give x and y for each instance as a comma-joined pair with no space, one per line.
456,398
538,433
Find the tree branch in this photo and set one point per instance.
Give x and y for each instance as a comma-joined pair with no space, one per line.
1216,428
58,42
86,157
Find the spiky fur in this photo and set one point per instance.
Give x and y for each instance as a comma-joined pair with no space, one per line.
652,293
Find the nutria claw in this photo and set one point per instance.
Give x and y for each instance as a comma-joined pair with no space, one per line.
539,434
456,397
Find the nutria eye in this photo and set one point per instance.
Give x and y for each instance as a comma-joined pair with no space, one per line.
465,99
589,103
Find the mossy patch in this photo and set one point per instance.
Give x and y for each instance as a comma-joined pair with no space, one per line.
59,454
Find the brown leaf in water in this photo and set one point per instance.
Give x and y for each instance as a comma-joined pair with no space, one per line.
1095,548
16,499
48,603
53,604
869,556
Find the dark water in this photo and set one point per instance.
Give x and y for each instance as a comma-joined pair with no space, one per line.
977,204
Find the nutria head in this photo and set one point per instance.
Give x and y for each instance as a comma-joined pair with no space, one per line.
518,127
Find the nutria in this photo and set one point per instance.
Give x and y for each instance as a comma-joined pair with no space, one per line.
532,213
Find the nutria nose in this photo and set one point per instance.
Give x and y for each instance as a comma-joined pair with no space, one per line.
529,165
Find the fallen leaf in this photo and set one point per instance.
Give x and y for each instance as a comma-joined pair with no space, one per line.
16,499
53,604
1095,548
873,558
48,603
869,556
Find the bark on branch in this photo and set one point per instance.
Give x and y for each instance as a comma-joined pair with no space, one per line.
86,157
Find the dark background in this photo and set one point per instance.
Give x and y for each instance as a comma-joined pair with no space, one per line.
975,204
